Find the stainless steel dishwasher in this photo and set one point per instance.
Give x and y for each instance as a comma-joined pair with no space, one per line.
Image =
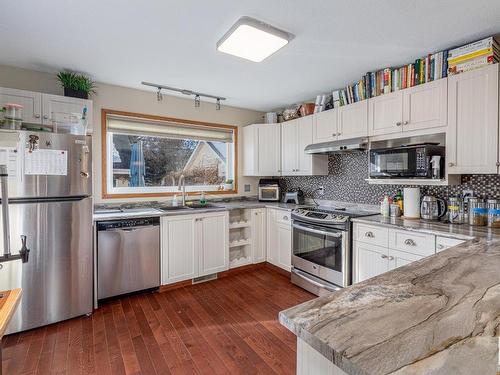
128,256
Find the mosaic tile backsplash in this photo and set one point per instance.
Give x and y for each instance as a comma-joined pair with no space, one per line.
346,182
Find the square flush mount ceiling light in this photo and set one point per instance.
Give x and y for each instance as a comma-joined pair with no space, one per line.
253,40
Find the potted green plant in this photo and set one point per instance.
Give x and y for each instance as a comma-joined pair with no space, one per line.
228,184
76,85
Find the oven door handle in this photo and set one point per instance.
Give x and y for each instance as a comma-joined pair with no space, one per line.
317,231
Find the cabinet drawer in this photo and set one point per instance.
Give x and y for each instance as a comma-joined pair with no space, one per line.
283,217
443,243
371,234
411,242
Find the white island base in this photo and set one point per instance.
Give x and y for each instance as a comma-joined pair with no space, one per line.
311,362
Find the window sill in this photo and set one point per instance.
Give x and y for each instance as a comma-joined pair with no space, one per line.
165,194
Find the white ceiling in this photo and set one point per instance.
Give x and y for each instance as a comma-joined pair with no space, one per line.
172,42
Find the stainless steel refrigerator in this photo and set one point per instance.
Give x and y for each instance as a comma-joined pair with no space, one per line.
50,202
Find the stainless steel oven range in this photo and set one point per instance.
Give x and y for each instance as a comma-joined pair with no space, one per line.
321,248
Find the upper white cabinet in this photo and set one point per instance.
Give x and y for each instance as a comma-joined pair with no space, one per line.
59,109
416,108
325,126
295,136
385,114
353,120
262,149
45,109
425,106
472,137
31,102
194,246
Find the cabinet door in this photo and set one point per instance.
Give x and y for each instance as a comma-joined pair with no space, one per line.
58,110
325,126
213,240
269,139
472,137
289,147
285,246
353,120
31,102
250,150
305,138
385,114
272,237
178,249
400,258
369,261
443,243
425,106
258,235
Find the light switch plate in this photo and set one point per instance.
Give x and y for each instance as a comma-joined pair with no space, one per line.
247,188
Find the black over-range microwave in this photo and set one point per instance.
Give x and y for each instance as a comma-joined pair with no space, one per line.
412,161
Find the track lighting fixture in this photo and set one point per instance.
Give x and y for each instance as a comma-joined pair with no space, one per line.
197,95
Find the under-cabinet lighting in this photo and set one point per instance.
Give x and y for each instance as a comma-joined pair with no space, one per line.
253,40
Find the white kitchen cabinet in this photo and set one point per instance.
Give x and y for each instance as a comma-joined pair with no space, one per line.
213,242
259,240
178,248
262,150
279,238
59,109
425,106
325,126
295,136
31,102
369,261
353,120
194,246
385,114
472,137
398,259
443,243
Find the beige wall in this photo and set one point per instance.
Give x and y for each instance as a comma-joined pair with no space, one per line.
132,100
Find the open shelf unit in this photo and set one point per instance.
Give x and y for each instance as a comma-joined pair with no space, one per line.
240,241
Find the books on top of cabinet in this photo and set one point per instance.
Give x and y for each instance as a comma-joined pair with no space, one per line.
426,69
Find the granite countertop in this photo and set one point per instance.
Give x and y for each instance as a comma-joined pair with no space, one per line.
151,211
461,231
439,315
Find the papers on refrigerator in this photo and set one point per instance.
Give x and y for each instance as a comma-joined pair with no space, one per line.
8,157
46,162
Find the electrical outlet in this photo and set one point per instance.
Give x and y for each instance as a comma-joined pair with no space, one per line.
467,193
321,190
248,188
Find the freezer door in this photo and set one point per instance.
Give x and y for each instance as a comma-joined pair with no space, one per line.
27,183
57,279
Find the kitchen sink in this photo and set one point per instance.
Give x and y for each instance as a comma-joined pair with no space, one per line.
173,208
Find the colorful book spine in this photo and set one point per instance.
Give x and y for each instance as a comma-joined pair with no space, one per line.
444,68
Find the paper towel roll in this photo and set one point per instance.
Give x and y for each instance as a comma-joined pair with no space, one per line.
411,203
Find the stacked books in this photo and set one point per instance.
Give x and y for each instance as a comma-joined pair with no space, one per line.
473,55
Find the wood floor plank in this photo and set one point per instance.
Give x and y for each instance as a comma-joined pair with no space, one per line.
224,326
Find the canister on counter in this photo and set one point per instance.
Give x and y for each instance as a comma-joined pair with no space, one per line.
456,210
478,214
493,206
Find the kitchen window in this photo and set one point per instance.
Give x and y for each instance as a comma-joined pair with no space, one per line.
146,155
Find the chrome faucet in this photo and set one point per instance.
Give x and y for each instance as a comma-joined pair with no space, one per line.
182,184
7,256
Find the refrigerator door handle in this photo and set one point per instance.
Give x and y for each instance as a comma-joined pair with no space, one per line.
84,160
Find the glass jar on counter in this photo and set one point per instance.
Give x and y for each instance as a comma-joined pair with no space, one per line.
493,206
478,214
456,210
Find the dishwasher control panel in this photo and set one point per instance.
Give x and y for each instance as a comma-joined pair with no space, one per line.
128,223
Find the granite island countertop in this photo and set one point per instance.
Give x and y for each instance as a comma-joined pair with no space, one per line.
439,315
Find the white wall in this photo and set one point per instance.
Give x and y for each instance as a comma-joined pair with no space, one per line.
133,100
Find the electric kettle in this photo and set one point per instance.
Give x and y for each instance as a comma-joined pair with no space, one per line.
432,208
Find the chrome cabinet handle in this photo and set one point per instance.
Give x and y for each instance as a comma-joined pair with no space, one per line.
451,164
405,122
398,123
369,235
410,242
440,247
383,256
45,117
390,257
339,134
37,116
285,217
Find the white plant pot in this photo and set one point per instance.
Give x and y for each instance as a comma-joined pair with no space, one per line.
228,186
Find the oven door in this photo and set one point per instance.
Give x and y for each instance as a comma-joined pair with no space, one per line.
321,252
393,163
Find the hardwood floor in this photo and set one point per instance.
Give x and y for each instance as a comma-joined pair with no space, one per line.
225,326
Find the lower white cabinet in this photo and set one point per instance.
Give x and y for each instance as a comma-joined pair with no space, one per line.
279,238
258,228
369,261
194,245
443,243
